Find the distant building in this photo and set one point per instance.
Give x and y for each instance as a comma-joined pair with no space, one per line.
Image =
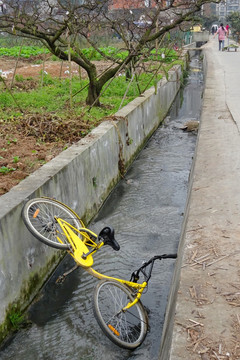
227,7
131,4
221,10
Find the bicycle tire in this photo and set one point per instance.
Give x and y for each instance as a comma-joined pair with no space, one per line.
126,329
44,226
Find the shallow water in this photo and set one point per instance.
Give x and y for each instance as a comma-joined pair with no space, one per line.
146,210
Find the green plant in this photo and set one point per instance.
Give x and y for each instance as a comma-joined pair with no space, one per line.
54,58
47,79
16,159
11,140
129,141
30,164
6,170
234,20
16,318
19,78
38,62
26,51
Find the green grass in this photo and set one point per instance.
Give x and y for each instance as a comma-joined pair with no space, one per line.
53,97
16,319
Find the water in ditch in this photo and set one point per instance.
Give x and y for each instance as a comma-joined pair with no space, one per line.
146,210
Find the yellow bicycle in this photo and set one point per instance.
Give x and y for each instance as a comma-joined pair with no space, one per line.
116,302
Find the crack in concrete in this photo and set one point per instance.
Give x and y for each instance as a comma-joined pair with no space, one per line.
232,118
229,110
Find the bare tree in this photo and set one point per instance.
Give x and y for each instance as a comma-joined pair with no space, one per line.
58,23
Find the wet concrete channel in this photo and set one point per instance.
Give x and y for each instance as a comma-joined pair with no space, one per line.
146,210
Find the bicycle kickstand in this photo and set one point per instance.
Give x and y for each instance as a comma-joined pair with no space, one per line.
62,277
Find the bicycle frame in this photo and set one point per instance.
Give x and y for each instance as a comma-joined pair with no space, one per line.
139,287
83,256
112,296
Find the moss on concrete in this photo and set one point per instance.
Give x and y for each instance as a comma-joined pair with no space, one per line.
15,313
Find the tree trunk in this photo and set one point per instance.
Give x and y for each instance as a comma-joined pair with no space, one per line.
93,89
93,95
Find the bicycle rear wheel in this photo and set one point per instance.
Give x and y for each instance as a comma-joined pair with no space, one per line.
126,329
39,217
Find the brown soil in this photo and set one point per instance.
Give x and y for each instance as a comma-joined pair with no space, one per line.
30,68
35,139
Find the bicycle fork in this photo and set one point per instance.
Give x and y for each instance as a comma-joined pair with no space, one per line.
139,294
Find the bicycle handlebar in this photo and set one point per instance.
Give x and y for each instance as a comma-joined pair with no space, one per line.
135,274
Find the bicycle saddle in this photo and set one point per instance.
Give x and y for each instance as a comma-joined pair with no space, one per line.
107,235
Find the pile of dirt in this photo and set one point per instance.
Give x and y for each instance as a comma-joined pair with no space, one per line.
33,140
20,156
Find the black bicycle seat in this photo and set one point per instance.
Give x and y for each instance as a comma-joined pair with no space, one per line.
107,235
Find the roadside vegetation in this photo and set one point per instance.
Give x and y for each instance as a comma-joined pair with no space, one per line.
59,96
234,21
42,116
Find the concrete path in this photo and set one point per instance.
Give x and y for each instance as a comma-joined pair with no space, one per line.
207,315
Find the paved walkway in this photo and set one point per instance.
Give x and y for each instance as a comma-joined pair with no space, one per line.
206,324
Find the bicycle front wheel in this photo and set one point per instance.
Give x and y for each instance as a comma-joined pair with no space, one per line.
126,329
39,216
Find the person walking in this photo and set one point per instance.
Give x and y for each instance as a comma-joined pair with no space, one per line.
221,36
228,32
214,29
